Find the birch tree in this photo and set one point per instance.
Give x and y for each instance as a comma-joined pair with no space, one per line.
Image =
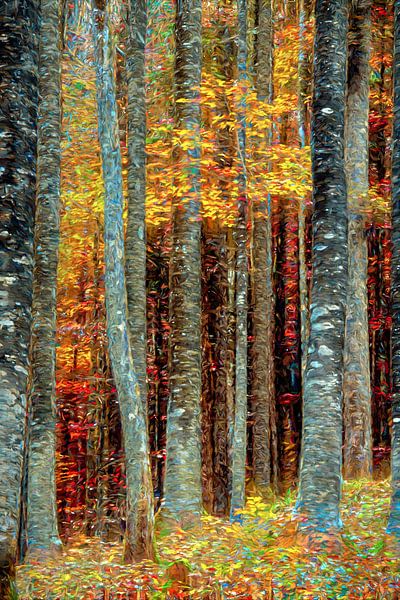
183,466
139,517
18,122
320,488
42,527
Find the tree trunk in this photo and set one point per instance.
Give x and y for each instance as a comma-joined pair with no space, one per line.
305,78
135,244
265,453
139,517
320,488
357,455
18,121
394,519
42,527
239,437
183,469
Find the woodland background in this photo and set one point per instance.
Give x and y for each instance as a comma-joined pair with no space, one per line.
215,183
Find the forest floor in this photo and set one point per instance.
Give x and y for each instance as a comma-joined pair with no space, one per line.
259,557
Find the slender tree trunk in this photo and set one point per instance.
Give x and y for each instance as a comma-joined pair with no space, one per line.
183,470
394,519
320,488
305,77
265,453
139,528
18,121
357,457
42,527
239,438
305,72
135,244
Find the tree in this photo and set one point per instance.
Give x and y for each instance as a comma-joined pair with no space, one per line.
320,488
357,456
183,468
135,244
139,526
262,388
42,527
239,434
18,121
394,519
305,77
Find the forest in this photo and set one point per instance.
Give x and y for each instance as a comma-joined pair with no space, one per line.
199,299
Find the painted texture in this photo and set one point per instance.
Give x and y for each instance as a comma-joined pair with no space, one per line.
183,468
394,521
320,488
18,122
138,540
42,526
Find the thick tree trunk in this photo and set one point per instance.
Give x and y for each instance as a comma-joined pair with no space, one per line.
18,121
42,527
135,243
320,488
357,454
264,452
394,520
183,469
239,437
139,526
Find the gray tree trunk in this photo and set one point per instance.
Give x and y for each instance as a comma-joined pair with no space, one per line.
321,457
42,527
265,455
135,243
394,519
18,122
183,494
138,541
357,452
239,437
305,77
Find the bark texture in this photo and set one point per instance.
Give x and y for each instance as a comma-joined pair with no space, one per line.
320,488
305,84
394,519
262,390
18,122
135,246
183,469
42,527
357,453
239,437
139,514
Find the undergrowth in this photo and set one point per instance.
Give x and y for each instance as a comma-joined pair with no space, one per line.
258,556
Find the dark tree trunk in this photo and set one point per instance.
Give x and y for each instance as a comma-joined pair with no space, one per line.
42,528
135,248
183,494
264,447
18,121
320,488
215,365
357,455
394,520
